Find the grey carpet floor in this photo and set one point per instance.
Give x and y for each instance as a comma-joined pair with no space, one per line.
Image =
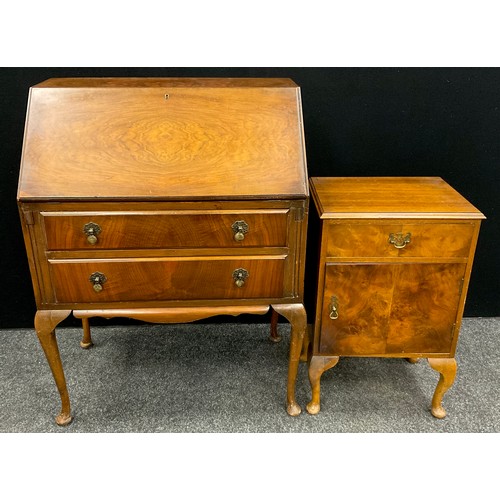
221,378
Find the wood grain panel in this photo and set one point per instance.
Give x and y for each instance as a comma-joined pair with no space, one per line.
390,308
164,279
131,142
165,230
424,308
445,239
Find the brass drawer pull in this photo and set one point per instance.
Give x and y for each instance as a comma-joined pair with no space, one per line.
334,308
239,276
240,228
399,240
97,280
92,230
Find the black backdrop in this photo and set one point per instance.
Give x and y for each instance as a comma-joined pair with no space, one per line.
358,122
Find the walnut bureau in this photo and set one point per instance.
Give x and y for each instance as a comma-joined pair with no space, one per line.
395,259
164,200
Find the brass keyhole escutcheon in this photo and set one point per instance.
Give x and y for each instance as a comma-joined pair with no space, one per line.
97,279
240,275
334,308
92,229
240,228
399,240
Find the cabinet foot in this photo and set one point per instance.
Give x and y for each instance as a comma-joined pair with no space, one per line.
317,366
86,341
45,323
63,419
296,315
447,368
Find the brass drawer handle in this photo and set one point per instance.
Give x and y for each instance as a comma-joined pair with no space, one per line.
240,228
97,280
239,276
399,240
92,229
334,308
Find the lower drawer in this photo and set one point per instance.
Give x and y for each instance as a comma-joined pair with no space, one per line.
163,279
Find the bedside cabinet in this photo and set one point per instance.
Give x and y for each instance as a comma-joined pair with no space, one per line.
164,200
395,261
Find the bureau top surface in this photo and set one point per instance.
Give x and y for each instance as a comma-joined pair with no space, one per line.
389,197
163,139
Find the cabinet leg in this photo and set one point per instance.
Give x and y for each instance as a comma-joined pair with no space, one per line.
274,336
412,360
45,323
86,341
304,355
447,368
296,315
317,366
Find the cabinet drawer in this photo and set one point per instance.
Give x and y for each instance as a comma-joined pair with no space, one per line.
399,239
189,229
165,279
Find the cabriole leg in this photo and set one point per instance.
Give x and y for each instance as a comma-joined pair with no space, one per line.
447,368
86,341
274,336
45,323
296,315
317,366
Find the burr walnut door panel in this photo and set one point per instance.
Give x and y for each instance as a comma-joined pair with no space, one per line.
384,309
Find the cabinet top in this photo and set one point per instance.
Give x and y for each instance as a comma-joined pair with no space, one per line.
163,139
389,197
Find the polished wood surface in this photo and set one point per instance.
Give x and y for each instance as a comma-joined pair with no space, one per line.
166,229
395,262
390,197
141,139
165,168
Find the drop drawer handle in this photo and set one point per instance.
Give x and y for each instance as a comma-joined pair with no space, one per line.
97,280
399,240
334,308
240,228
239,276
92,229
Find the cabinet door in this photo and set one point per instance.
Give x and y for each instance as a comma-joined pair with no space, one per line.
387,309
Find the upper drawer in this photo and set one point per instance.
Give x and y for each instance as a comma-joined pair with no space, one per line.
410,239
168,229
